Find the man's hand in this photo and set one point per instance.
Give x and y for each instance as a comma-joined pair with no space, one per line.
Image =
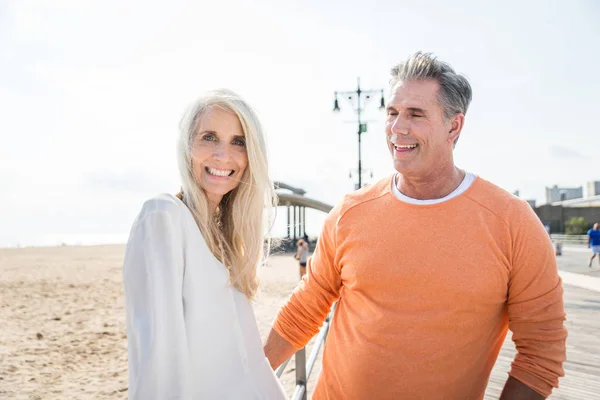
515,390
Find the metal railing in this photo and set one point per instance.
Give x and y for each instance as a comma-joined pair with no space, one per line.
303,367
569,239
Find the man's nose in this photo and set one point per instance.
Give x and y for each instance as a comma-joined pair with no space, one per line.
400,126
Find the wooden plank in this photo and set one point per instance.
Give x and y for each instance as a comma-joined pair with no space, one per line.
582,368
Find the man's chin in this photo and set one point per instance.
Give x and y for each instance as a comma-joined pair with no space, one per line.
403,167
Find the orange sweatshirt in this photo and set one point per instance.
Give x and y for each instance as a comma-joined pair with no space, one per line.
426,295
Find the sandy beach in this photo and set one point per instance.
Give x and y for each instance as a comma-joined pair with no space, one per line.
63,330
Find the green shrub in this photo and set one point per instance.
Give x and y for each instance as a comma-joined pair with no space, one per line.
576,226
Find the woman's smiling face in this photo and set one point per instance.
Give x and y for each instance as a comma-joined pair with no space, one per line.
219,155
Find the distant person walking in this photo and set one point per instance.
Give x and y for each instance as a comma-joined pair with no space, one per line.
302,256
594,243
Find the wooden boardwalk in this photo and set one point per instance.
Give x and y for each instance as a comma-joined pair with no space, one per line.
582,368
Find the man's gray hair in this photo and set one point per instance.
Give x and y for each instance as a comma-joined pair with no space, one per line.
455,91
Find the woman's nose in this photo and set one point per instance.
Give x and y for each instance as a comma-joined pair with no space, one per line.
221,151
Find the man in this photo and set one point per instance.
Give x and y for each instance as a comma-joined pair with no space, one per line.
431,267
594,243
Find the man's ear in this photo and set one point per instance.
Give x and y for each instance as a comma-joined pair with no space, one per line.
456,125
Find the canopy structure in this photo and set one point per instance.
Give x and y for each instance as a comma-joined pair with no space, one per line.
296,204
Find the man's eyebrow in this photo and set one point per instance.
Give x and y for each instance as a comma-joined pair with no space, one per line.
411,109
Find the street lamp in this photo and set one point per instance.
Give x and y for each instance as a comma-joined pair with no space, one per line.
359,95
563,197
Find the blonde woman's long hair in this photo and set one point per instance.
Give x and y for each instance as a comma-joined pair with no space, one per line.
236,232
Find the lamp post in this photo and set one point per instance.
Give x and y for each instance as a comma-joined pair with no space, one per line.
563,197
359,95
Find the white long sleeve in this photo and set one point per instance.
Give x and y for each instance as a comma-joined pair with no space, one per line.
191,334
153,279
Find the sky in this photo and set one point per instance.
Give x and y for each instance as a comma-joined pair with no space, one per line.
91,94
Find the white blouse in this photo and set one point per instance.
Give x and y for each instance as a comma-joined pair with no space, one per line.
190,334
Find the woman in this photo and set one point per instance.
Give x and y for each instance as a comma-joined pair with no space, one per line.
302,256
191,263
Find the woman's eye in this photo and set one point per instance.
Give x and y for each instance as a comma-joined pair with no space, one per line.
239,142
209,137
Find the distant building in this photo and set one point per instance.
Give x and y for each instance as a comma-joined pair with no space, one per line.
591,201
555,193
531,203
563,204
556,214
593,188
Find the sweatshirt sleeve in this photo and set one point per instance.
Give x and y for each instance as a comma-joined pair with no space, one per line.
303,314
535,307
156,335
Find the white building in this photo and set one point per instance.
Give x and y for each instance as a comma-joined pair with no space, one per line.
555,193
593,188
